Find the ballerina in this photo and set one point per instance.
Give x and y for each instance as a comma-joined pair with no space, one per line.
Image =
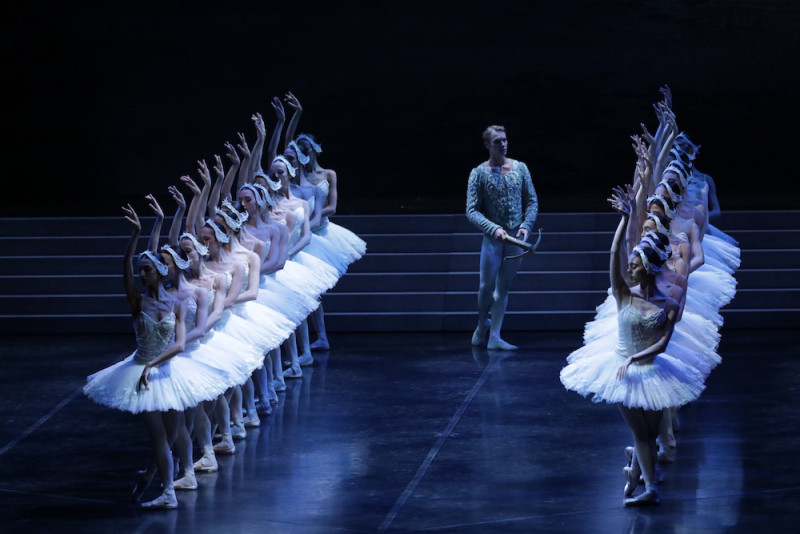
152,382
638,376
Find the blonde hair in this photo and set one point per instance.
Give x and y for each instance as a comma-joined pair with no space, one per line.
487,133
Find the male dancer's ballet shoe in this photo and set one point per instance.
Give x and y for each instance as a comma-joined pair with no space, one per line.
225,446
187,482
293,372
648,498
207,463
238,431
142,483
306,360
165,501
320,345
481,334
495,343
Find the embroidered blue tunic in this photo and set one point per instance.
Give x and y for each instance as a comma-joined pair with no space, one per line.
505,201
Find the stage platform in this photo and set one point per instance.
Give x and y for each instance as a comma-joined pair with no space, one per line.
409,433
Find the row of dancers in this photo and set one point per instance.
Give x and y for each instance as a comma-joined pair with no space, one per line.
654,341
223,318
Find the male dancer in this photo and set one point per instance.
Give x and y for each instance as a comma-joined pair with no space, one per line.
501,202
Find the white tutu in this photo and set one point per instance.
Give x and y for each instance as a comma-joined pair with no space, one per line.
321,276
661,382
721,254
343,239
278,292
323,249
177,384
273,328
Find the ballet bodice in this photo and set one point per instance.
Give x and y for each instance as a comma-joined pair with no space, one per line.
638,330
153,337
325,187
191,317
297,229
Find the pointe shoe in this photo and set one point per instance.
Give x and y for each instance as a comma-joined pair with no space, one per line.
320,345
305,360
273,394
481,333
293,372
237,430
207,464
631,481
187,482
648,498
279,385
495,343
263,407
142,483
165,501
225,446
665,455
252,421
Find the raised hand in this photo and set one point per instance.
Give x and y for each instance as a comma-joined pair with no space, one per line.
277,105
261,129
202,170
131,217
218,168
191,185
232,154
243,147
666,92
622,200
293,101
177,196
646,135
669,117
152,203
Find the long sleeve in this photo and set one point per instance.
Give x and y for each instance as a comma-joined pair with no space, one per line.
530,202
475,202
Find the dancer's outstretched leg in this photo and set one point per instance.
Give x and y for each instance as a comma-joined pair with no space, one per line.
202,433
185,479
644,425
317,319
161,425
303,346
289,350
237,408
249,403
222,416
489,267
277,371
505,275
261,382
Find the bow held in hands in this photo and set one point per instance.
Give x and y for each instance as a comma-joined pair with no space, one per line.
528,248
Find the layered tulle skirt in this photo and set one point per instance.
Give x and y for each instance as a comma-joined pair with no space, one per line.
177,384
663,382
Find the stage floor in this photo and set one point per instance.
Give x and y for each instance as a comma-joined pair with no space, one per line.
409,433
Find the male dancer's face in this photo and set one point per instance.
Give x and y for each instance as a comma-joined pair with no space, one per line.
497,145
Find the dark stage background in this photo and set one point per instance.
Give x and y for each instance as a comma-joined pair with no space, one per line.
108,102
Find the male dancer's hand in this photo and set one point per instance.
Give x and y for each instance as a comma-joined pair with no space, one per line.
500,234
522,233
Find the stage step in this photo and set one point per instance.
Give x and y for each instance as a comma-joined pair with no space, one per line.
420,273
